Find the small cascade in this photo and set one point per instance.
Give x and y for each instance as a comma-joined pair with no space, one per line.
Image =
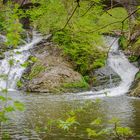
121,65
116,60
19,56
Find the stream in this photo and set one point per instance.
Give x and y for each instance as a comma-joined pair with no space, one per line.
42,107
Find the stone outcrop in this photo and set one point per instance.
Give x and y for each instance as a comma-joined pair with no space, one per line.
105,78
52,73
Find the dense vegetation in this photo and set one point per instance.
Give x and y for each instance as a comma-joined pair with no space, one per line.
77,28
74,29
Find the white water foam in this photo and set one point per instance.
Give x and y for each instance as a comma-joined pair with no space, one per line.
121,65
116,60
19,55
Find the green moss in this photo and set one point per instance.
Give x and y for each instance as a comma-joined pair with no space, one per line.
79,85
33,59
138,75
25,64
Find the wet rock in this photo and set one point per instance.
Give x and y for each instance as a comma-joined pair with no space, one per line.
105,78
52,73
135,91
135,88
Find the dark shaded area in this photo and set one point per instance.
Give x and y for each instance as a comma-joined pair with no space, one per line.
29,5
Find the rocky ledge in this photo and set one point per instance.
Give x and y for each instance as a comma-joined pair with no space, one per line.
54,73
51,73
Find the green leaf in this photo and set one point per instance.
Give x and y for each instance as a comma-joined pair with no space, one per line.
9,109
97,122
25,64
124,131
91,133
19,106
2,98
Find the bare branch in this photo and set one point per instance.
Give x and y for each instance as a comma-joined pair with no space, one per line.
71,15
88,9
116,22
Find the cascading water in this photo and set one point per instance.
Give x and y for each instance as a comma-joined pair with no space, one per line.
120,64
116,60
19,56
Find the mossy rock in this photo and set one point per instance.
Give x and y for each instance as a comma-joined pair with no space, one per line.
52,73
135,91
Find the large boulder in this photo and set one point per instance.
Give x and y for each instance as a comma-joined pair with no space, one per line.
52,73
105,78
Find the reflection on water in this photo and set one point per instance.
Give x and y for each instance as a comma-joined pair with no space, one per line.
42,107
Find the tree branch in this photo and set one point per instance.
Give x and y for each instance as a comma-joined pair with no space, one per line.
88,9
71,15
104,26
116,22
131,14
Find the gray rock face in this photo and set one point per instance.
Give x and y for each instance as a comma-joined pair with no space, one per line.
105,78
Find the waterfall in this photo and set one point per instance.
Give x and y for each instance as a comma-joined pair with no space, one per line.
19,56
116,60
121,65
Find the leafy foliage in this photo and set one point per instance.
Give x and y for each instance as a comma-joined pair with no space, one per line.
48,17
37,68
19,84
9,23
66,125
123,42
80,50
77,40
112,16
